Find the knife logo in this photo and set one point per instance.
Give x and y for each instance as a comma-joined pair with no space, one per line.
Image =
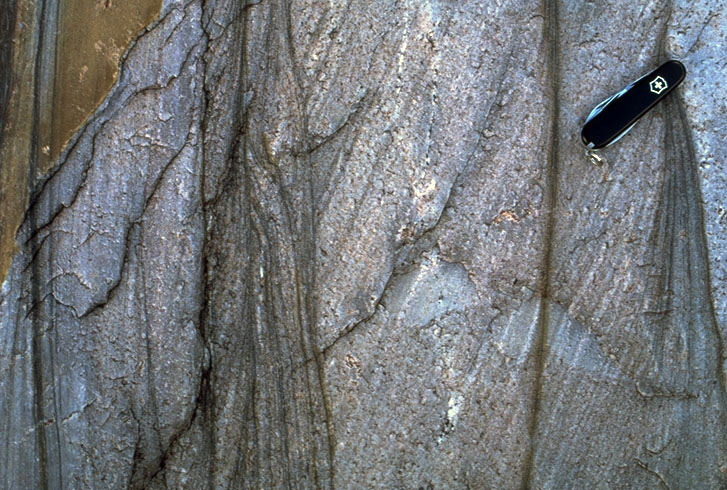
658,85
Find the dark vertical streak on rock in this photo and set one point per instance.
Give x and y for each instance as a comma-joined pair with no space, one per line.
250,439
7,29
307,266
44,314
141,475
685,348
287,422
697,269
249,345
205,397
55,478
702,251
662,231
36,321
8,10
540,352
300,230
55,387
238,233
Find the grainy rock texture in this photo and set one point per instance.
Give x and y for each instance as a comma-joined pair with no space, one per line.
310,244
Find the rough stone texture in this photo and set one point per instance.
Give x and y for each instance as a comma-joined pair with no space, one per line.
307,244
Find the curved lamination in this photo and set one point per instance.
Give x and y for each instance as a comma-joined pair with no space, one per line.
613,117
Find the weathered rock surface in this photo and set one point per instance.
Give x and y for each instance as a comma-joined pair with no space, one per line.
307,244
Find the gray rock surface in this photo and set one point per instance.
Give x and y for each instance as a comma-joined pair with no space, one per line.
312,244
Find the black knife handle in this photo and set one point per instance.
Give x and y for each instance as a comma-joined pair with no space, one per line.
627,106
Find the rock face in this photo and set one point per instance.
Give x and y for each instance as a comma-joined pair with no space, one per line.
308,244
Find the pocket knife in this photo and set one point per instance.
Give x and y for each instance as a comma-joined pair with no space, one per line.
610,120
